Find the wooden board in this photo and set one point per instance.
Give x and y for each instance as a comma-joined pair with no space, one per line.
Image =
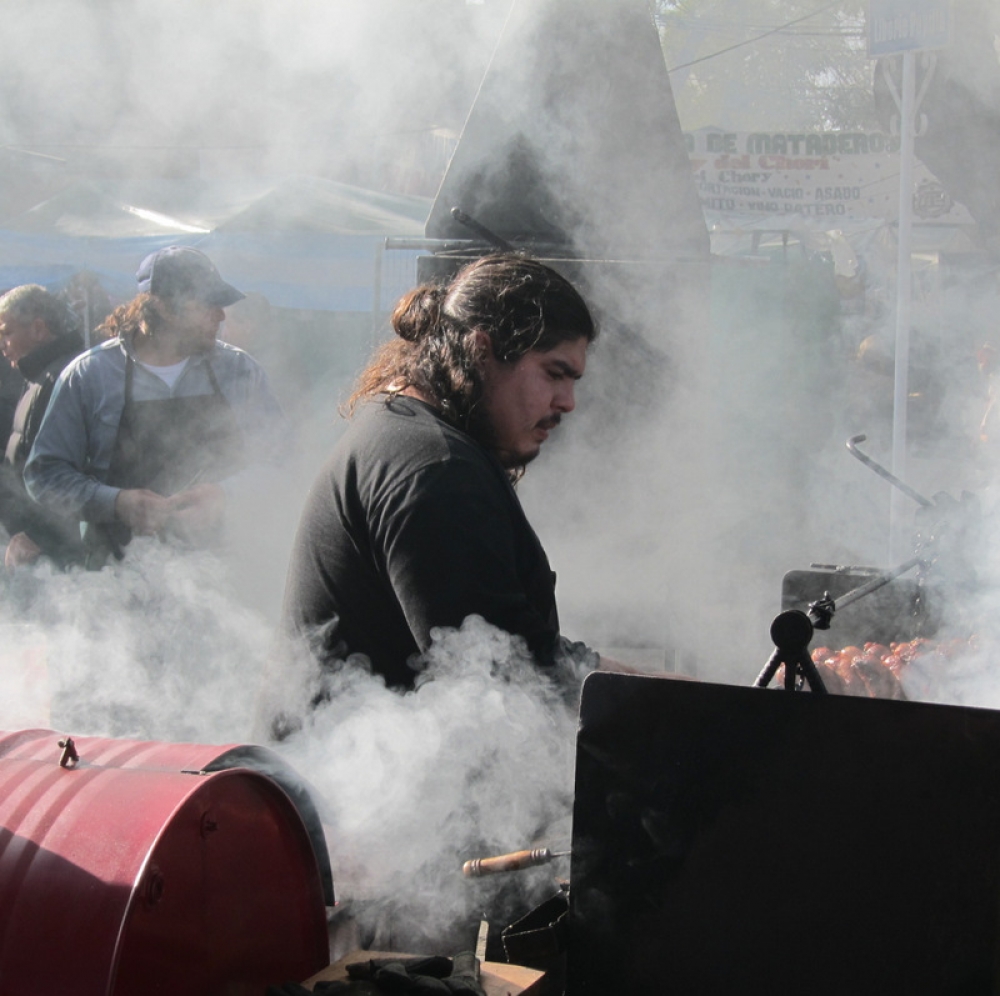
497,978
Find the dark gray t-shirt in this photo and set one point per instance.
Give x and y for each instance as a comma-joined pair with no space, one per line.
410,525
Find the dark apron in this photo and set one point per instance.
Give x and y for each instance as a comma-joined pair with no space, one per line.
166,445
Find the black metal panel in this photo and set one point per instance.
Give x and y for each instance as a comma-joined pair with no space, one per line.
574,139
730,840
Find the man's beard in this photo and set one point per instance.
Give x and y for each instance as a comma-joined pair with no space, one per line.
482,430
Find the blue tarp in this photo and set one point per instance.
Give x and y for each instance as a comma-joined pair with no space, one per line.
304,243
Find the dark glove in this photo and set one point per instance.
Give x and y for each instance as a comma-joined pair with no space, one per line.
464,978
395,978
422,976
436,966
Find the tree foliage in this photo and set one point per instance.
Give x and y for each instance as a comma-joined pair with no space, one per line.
768,65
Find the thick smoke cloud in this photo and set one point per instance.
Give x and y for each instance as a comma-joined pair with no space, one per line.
706,457
155,647
303,87
478,761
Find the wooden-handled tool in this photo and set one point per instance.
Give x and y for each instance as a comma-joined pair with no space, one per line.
510,862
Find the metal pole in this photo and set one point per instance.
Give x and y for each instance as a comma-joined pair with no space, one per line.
377,288
897,536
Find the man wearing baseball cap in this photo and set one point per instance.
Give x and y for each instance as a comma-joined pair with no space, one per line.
154,431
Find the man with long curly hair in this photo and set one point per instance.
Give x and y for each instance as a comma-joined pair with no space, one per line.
155,430
414,522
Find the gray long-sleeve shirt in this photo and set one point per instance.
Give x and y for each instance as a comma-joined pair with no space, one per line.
72,453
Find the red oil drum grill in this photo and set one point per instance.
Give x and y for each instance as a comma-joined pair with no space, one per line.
138,868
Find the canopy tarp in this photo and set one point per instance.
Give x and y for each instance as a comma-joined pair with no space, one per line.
304,242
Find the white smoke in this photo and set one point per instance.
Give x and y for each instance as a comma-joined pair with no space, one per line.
670,503
304,87
155,647
477,761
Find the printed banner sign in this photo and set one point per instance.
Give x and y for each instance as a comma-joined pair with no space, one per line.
827,176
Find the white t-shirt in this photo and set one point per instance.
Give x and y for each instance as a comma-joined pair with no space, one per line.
168,374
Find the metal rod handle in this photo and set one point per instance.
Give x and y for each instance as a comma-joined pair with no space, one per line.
495,240
878,582
852,445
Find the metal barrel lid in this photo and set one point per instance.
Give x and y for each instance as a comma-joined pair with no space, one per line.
151,755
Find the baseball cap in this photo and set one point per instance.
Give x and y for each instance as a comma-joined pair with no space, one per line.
185,272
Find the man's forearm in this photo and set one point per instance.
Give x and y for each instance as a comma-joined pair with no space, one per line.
65,491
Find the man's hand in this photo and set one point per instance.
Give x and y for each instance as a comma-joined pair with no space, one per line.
144,512
196,513
21,550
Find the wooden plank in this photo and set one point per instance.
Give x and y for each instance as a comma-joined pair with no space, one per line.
497,978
